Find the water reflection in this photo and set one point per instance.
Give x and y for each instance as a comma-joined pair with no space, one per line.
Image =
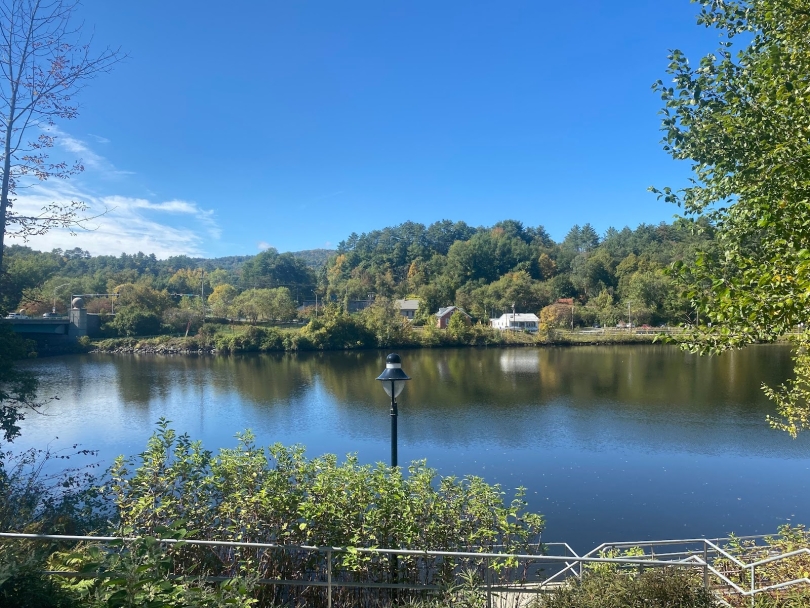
616,441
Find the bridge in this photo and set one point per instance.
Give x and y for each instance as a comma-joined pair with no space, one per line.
52,326
76,324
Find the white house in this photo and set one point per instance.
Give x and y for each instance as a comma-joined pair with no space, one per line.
407,308
516,321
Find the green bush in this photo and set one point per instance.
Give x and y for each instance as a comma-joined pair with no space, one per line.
338,332
134,321
35,501
279,496
654,588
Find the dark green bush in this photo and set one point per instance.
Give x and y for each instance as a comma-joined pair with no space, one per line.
338,333
134,321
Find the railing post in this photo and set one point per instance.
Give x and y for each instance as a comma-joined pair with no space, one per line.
705,565
329,579
488,579
753,586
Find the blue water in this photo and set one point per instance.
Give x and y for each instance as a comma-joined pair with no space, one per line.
612,443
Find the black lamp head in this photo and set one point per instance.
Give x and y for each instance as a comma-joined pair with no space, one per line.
393,377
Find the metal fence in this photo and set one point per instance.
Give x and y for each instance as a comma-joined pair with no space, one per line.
527,575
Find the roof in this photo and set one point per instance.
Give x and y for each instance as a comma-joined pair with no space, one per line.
447,310
407,304
519,317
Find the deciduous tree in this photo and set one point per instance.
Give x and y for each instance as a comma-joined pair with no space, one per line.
743,120
43,64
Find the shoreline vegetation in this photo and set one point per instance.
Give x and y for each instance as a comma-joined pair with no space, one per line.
230,339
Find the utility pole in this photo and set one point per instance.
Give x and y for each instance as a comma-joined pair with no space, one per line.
629,318
202,292
572,315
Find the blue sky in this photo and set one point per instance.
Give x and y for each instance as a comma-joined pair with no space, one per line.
241,125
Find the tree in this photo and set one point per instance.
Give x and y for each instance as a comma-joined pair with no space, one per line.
283,307
272,269
221,299
44,64
386,323
743,120
248,305
458,327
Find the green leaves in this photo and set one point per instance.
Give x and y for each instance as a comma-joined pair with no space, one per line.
743,122
175,489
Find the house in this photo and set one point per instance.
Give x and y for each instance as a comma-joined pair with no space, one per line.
407,308
520,321
444,314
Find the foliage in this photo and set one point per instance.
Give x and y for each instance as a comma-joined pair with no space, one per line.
483,270
337,332
34,500
277,495
273,269
388,326
136,321
254,339
654,588
221,299
18,388
264,304
557,315
743,119
138,573
788,539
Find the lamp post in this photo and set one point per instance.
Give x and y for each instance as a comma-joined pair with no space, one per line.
53,310
393,381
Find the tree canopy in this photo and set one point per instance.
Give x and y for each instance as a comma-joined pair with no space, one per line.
742,118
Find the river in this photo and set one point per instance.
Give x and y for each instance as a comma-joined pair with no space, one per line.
612,442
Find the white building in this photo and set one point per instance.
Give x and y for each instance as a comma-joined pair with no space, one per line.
407,308
521,321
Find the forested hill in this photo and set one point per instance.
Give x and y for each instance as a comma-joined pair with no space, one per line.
486,270
30,275
483,269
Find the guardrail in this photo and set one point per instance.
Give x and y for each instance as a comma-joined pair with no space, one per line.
539,572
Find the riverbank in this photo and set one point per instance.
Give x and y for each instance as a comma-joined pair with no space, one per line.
273,339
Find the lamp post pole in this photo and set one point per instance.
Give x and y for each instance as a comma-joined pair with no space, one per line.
53,310
393,380
393,426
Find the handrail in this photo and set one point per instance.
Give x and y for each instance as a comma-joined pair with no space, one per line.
370,550
688,558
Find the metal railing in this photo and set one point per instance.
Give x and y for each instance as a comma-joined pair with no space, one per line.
541,572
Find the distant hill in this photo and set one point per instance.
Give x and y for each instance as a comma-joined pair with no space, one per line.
314,258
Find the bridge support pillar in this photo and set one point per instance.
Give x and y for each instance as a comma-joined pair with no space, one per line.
78,319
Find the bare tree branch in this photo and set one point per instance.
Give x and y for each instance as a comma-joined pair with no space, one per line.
43,64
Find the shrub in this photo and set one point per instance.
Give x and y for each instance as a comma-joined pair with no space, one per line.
338,332
134,321
35,501
655,588
279,496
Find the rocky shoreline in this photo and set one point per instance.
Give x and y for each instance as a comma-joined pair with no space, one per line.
159,349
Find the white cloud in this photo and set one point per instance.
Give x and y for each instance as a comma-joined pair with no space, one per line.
262,245
126,224
89,158
123,223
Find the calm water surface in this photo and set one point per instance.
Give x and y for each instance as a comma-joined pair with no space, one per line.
612,442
